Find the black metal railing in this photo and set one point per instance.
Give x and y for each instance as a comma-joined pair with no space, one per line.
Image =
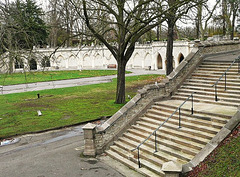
155,131
237,60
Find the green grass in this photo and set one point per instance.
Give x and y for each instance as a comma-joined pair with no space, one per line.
30,77
223,161
62,107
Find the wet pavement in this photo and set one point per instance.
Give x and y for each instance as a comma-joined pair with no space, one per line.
51,154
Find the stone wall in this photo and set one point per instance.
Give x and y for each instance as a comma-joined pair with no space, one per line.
99,57
101,137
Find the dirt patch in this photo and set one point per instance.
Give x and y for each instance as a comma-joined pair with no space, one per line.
32,105
136,86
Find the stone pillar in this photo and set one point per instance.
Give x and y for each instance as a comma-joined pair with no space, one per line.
172,169
89,140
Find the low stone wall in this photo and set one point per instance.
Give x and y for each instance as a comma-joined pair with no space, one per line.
99,138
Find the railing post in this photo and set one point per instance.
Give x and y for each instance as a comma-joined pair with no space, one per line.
192,103
216,99
225,81
179,117
155,141
239,65
139,163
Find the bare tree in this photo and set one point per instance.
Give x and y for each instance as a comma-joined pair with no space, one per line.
205,14
128,21
174,13
234,7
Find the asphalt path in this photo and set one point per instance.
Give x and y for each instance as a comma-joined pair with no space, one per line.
69,83
51,154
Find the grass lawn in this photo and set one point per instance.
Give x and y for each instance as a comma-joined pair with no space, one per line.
40,76
61,107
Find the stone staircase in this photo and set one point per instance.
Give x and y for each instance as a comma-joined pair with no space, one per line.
181,144
205,76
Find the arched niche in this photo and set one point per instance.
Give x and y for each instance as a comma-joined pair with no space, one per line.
72,62
147,61
33,64
98,62
159,62
18,63
180,57
137,61
87,61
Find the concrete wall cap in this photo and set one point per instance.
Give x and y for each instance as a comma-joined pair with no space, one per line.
172,167
89,126
103,127
181,66
219,137
116,116
202,154
171,75
136,98
233,122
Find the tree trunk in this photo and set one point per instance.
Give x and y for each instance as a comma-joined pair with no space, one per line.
169,53
120,94
233,27
224,16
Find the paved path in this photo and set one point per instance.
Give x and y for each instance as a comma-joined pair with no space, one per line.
69,83
53,154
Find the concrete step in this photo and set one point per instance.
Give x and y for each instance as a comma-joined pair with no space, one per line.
164,157
144,155
164,142
131,164
160,135
212,75
222,89
207,100
203,85
210,130
220,120
161,104
186,130
148,161
184,134
211,97
150,144
218,63
210,93
188,117
211,81
218,69
209,66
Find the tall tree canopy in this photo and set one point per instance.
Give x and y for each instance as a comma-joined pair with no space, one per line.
21,28
23,20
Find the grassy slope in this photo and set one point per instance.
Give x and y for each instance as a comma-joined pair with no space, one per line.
19,78
62,107
223,161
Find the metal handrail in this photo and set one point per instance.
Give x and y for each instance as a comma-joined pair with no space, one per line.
225,74
155,131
